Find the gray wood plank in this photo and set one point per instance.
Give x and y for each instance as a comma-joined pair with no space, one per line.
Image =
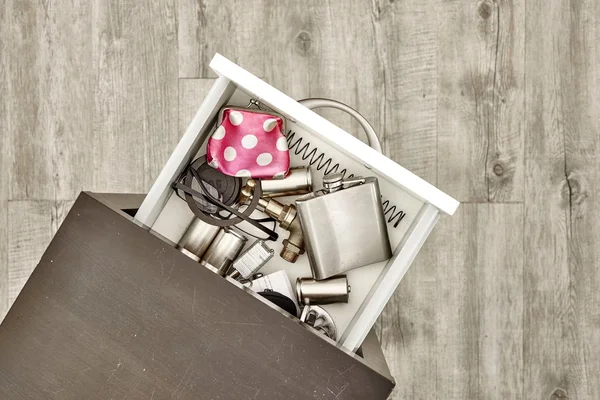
233,28
480,303
290,34
48,65
4,163
561,323
24,59
407,47
31,225
480,110
319,49
454,328
30,229
345,64
191,94
135,91
407,328
4,266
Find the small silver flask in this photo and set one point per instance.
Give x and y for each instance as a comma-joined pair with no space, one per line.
344,225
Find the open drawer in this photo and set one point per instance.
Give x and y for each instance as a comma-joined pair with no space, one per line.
411,205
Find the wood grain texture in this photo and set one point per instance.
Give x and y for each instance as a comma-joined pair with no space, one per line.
134,50
29,232
30,147
561,338
290,35
480,111
316,41
234,28
4,164
31,226
191,95
407,329
4,265
344,62
407,47
480,303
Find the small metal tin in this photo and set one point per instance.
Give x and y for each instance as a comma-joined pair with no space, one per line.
334,290
252,259
197,238
223,250
298,181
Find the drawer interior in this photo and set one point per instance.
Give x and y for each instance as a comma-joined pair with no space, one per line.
409,217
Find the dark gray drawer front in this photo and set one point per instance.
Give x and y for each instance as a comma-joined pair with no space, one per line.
112,311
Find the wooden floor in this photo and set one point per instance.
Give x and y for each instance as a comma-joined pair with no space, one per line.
494,101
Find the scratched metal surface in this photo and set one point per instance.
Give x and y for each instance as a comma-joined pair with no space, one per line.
113,312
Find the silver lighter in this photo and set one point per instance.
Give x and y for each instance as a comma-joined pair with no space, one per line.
251,260
344,225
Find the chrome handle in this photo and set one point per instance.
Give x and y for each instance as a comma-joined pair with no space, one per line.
328,103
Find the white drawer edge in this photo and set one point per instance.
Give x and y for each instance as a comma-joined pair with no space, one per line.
190,143
390,277
334,135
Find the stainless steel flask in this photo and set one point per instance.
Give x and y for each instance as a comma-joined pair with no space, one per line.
344,225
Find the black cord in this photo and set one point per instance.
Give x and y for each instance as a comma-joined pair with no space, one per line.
192,195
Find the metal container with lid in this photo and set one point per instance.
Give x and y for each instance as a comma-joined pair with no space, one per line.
333,290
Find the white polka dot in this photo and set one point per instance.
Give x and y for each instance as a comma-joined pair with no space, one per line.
236,118
249,141
229,153
214,163
243,173
269,124
279,175
219,133
264,159
282,144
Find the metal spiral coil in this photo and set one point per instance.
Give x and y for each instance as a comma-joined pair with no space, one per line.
326,165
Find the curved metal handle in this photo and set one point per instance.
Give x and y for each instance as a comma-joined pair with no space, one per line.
328,103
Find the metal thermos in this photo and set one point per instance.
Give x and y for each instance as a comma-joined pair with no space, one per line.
334,290
298,181
223,250
197,238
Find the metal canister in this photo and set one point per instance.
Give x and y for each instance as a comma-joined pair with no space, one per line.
334,290
197,238
225,248
298,181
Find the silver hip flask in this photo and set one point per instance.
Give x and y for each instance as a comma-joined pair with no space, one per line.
344,225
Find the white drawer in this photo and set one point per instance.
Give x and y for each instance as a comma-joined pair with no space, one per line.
412,206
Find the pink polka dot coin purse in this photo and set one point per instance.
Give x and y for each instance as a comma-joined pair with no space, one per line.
249,143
